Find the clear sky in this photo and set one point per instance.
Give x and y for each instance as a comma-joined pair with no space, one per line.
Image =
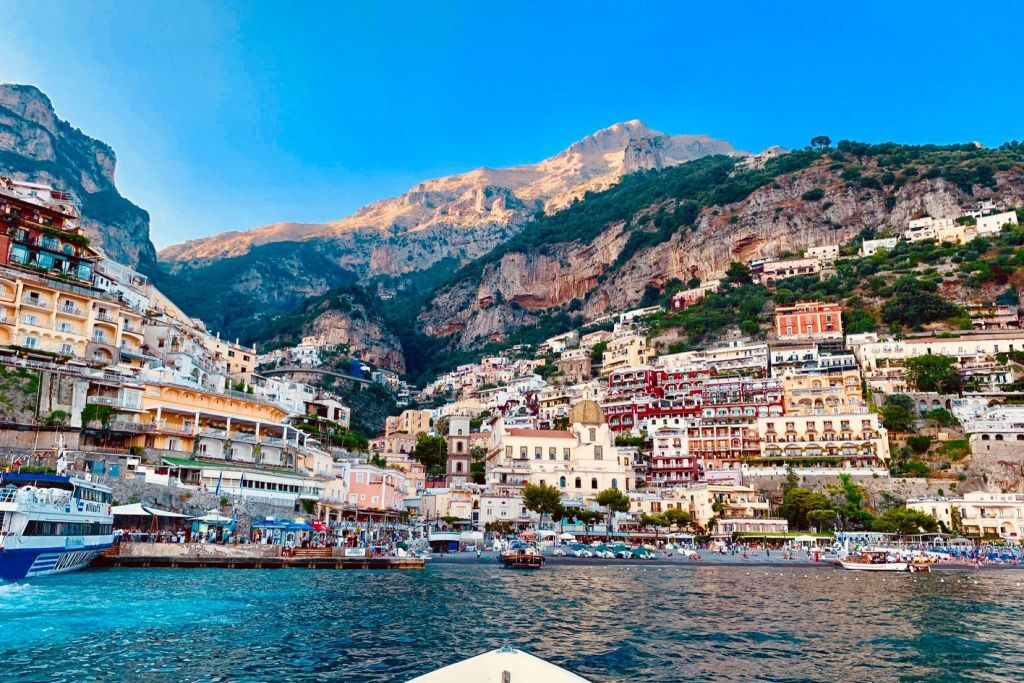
227,116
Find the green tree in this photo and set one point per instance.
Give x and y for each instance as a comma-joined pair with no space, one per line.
850,512
933,372
542,499
791,481
898,413
821,519
432,451
915,303
738,273
614,500
821,141
798,503
919,443
677,518
904,521
597,350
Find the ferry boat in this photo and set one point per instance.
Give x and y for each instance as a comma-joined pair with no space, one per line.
522,556
51,524
875,561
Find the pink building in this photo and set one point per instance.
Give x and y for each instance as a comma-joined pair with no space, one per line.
809,320
374,488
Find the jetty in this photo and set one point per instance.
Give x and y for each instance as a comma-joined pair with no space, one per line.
246,556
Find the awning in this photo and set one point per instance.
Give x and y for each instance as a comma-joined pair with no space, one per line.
140,510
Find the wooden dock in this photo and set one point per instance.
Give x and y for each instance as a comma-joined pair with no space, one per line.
320,558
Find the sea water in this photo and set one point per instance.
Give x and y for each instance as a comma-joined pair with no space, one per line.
606,623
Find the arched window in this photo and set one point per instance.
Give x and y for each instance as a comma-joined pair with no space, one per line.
593,434
615,483
458,467
458,446
593,483
561,482
579,483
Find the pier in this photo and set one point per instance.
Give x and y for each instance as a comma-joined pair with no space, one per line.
197,556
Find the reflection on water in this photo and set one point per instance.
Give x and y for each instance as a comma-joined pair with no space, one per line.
605,623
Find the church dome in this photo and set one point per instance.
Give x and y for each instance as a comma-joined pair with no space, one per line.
586,412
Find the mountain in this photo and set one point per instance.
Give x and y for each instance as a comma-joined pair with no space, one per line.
645,237
449,220
36,145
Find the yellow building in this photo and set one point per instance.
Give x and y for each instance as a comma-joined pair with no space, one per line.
626,351
821,393
580,461
186,420
858,439
72,320
981,513
409,421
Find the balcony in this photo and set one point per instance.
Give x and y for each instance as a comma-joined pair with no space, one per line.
36,302
213,433
114,401
105,317
70,309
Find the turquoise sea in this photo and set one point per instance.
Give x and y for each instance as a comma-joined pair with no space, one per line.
607,623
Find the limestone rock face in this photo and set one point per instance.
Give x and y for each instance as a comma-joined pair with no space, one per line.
771,221
365,337
466,214
36,145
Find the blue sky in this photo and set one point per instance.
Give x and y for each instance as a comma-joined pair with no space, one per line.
226,116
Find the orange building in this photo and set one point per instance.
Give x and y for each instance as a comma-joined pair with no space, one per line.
809,320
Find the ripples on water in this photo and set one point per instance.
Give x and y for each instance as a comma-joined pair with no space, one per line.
605,623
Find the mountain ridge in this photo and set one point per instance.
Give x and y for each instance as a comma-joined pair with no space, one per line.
38,146
483,194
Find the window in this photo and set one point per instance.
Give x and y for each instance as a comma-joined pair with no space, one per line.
565,453
593,434
458,467
538,453
593,483
508,451
524,452
561,482
31,342
615,483
552,453
579,483
67,349
598,452
359,477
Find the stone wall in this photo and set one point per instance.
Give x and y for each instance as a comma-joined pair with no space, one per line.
199,550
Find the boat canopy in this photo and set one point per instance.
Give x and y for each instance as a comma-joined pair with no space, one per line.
140,510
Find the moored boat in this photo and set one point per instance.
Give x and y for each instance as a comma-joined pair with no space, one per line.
875,561
522,556
51,524
504,665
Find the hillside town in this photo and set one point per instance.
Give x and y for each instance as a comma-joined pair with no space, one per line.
97,361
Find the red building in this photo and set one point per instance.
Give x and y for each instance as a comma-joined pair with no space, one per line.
809,320
726,432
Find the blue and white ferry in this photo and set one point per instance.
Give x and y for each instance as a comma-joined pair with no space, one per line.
51,524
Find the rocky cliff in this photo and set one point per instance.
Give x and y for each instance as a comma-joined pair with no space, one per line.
36,145
347,318
779,214
453,219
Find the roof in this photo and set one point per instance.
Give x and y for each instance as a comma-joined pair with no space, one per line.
542,433
199,464
138,510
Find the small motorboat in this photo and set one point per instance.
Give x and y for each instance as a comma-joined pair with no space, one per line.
504,665
522,556
920,564
875,561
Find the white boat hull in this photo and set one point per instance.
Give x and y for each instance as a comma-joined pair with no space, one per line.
865,567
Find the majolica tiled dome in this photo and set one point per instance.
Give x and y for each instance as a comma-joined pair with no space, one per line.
586,412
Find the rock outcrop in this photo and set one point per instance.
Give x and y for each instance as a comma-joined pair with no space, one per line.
36,145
